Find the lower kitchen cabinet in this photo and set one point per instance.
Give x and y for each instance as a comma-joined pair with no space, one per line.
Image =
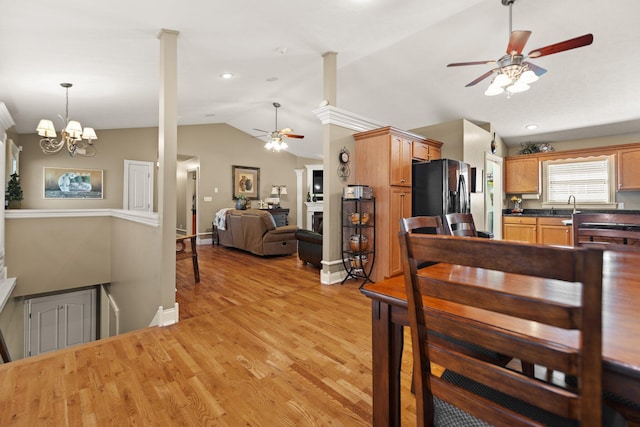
551,231
543,230
519,228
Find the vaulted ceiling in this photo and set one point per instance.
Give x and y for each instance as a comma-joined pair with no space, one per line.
392,57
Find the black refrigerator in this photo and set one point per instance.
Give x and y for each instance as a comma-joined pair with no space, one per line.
440,187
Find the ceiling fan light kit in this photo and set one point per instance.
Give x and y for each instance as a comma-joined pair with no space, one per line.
513,73
72,134
275,141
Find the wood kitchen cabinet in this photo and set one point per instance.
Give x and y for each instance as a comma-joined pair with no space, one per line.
400,161
426,151
383,159
519,228
543,230
522,175
399,207
628,176
551,231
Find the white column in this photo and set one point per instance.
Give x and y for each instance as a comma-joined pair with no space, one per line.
299,196
168,158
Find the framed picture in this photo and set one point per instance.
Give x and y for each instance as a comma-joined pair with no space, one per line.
245,180
72,183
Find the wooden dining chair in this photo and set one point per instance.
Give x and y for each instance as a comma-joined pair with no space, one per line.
470,389
182,253
461,224
422,224
619,232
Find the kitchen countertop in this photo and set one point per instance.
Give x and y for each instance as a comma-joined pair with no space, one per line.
564,213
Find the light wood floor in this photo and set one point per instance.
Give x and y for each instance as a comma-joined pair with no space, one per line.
260,343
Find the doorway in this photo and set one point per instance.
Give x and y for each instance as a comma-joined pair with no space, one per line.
187,190
493,195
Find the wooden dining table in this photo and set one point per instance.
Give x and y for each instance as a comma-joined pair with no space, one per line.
620,328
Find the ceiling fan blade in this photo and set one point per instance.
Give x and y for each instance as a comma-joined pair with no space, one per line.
458,64
517,41
482,77
290,135
286,130
538,71
260,130
581,41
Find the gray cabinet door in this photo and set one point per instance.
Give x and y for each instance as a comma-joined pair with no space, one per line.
60,321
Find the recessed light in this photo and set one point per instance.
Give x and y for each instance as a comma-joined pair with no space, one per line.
532,126
226,75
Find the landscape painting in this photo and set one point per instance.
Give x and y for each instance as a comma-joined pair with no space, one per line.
71,183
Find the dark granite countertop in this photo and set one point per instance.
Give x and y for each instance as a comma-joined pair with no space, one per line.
564,213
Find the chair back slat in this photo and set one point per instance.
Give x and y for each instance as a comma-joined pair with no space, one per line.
559,288
422,224
461,224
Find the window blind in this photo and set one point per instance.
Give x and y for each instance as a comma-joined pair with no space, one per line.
587,180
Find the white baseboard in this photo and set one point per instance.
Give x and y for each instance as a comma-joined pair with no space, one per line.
166,317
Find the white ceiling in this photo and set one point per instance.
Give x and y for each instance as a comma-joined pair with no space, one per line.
392,57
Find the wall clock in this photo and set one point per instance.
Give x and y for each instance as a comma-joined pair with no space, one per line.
343,167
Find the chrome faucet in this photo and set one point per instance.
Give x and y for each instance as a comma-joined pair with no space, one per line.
574,203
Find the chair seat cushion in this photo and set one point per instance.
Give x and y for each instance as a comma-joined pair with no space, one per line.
609,416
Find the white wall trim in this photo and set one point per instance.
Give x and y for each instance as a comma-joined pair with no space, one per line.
6,121
146,218
346,119
6,287
166,317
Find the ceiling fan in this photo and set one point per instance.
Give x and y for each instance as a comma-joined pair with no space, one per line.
276,138
513,73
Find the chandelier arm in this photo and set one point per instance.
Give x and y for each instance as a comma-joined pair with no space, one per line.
51,146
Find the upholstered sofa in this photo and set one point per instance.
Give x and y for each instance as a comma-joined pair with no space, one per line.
255,231
310,246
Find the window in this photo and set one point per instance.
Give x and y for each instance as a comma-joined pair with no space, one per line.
590,180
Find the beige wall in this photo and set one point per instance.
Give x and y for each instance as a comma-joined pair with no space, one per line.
135,274
53,254
114,146
218,146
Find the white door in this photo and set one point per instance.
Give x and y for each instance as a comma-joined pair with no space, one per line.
138,186
60,321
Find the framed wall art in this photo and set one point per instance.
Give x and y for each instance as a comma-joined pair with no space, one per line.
72,183
245,181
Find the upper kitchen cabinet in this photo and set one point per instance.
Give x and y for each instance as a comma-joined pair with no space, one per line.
628,176
426,151
400,161
522,174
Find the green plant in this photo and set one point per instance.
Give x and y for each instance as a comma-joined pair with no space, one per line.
241,197
529,148
14,191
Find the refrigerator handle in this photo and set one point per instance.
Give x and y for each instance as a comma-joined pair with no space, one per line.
463,196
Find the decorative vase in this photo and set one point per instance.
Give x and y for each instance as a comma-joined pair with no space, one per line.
241,204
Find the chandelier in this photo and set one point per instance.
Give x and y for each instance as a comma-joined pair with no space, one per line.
512,76
72,135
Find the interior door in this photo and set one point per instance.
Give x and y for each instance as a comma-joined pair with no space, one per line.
60,321
138,186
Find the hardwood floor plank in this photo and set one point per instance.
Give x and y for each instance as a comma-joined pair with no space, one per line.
260,342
